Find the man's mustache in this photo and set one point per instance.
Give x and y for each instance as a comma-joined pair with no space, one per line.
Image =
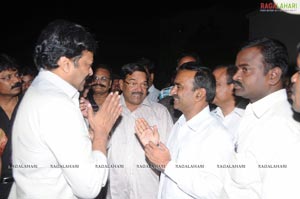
16,85
237,83
96,84
175,97
137,93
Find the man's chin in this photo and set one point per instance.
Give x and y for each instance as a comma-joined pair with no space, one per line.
296,107
238,93
17,90
80,89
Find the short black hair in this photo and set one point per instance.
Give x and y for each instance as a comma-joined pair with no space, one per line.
130,68
231,69
104,66
149,64
189,54
274,53
62,38
8,63
204,78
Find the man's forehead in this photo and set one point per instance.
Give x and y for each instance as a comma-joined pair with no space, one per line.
8,71
137,75
184,76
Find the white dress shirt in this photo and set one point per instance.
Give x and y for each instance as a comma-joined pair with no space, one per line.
52,151
231,121
200,142
130,175
153,93
269,147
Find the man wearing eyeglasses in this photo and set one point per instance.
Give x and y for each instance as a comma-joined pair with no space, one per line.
10,89
130,176
100,86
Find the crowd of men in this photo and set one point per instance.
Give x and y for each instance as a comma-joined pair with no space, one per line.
223,132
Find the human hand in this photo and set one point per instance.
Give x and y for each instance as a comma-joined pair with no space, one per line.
83,105
146,133
102,121
3,141
159,155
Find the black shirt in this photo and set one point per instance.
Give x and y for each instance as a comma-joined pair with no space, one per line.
6,125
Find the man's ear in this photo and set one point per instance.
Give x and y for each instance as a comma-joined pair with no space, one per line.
121,82
64,64
274,75
200,93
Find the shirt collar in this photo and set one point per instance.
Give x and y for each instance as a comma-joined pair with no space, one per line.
65,86
261,106
218,112
151,88
236,110
193,123
239,111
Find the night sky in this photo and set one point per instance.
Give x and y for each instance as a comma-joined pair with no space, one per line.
124,34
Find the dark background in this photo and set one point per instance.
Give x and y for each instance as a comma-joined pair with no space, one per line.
126,32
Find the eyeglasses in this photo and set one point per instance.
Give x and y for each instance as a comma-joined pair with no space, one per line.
100,78
134,84
10,76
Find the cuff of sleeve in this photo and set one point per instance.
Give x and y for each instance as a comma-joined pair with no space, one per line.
101,163
99,155
171,171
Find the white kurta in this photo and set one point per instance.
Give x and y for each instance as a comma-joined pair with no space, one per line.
134,179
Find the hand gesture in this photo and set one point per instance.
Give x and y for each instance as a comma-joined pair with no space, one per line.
145,133
102,121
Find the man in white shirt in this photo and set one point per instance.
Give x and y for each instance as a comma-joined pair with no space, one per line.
55,155
130,176
225,100
198,146
268,137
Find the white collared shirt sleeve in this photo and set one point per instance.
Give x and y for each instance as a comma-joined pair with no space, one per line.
67,138
50,134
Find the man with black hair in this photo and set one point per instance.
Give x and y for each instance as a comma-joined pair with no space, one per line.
10,97
55,154
100,85
131,176
198,142
225,100
27,74
268,136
